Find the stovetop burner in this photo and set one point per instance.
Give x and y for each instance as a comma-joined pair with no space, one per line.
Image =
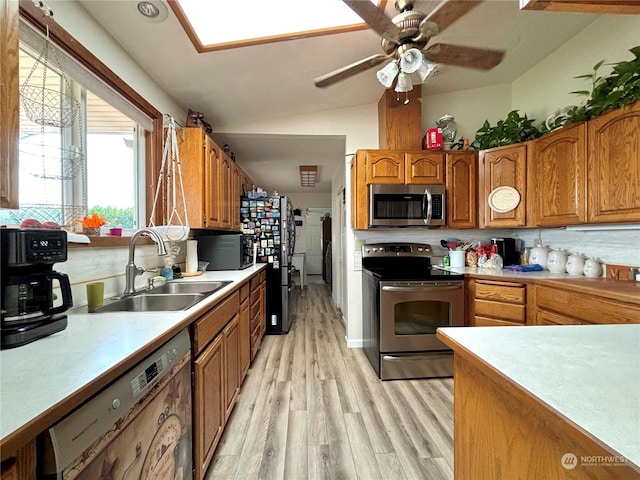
402,262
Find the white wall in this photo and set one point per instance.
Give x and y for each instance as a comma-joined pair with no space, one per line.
545,88
470,108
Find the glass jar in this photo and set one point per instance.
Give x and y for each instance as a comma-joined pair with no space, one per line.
449,129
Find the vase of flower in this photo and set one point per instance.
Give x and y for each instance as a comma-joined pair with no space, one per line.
93,231
91,224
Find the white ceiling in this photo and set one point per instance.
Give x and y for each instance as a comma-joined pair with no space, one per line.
275,80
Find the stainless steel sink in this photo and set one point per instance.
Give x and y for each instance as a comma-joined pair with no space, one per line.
153,303
188,287
170,297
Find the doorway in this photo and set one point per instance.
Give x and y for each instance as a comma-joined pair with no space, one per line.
314,239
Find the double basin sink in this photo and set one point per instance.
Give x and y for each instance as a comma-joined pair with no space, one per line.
169,297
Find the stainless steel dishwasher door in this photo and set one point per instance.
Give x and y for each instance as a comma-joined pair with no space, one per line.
137,427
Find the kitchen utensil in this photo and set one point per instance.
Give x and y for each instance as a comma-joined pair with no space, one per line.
444,244
557,261
575,264
453,245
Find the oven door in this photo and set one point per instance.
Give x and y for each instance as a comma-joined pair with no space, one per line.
410,313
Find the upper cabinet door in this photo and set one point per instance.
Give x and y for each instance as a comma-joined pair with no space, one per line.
424,167
385,166
212,173
503,167
462,189
614,166
9,117
558,181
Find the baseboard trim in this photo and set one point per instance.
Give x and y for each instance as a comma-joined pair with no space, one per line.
355,343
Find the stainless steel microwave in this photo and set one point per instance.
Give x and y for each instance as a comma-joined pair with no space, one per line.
406,205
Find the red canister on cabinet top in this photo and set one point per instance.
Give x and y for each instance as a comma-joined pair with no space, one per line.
432,140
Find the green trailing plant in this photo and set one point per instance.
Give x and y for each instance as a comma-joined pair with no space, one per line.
514,129
620,88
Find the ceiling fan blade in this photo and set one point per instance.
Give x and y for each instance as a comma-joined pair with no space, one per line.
375,18
450,11
479,58
349,70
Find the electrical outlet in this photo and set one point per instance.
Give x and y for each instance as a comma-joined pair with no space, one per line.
274,320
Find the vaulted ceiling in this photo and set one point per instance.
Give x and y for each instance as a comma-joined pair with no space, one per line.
275,80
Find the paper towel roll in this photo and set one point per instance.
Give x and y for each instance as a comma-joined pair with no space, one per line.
191,260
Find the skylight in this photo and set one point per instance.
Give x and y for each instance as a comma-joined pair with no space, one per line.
221,24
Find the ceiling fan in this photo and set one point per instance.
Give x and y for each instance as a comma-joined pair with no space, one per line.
405,39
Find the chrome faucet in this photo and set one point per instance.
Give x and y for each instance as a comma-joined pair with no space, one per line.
132,270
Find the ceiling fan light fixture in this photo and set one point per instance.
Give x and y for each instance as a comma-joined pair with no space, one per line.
411,60
388,73
425,69
308,174
404,83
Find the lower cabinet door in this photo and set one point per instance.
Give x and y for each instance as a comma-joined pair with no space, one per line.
209,409
231,336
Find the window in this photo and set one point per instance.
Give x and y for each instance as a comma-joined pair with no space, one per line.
72,161
93,163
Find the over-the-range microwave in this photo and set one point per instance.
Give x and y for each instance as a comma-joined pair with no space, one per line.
406,205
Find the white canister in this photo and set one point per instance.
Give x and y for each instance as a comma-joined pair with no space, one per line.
557,261
538,255
575,264
456,258
592,268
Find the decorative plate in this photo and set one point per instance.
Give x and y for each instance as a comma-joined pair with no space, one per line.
504,199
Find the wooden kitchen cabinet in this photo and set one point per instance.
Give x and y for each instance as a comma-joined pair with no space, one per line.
462,189
424,167
558,177
498,303
216,376
560,306
613,167
208,404
212,181
400,167
503,167
257,311
22,465
384,167
9,103
244,331
231,336
583,6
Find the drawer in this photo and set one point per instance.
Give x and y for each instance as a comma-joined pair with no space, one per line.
244,292
255,309
501,292
254,282
479,321
254,321
505,311
212,322
549,318
586,308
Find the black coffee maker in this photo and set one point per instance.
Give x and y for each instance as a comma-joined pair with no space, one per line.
27,310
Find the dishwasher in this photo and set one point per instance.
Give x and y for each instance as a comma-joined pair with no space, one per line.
138,427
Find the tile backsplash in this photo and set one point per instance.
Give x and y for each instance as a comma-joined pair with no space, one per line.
107,265
608,246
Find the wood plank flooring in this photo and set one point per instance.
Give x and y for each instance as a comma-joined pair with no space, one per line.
310,408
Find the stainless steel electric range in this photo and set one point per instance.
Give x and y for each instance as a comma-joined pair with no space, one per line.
404,302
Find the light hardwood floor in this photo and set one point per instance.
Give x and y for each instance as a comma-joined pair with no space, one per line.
311,408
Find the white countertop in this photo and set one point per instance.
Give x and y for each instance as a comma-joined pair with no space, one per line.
589,374
38,376
543,274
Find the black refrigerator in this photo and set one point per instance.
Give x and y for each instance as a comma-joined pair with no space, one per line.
271,222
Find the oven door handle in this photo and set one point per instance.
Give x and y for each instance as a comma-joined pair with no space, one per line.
427,206
424,288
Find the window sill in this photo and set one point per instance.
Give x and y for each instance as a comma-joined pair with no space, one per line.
107,241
